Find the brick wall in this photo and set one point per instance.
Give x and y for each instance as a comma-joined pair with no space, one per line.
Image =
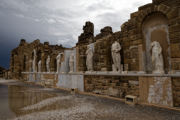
176,91
112,86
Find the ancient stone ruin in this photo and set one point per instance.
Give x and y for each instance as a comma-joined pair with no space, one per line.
2,71
141,60
23,57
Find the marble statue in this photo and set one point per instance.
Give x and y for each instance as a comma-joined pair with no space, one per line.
116,57
30,64
47,64
34,60
89,58
157,58
58,59
39,66
71,63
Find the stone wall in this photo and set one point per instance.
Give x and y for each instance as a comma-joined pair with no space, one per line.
134,41
88,34
81,57
45,79
102,50
22,57
84,39
156,90
70,81
2,72
132,33
112,86
135,49
176,91
49,79
132,37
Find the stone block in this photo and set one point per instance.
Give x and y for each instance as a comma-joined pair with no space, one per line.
130,99
174,49
113,92
175,65
173,13
174,28
71,81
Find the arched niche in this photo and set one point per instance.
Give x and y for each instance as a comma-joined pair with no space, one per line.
55,64
155,28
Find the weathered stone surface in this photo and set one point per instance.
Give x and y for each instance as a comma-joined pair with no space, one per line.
112,86
176,91
175,63
174,49
158,21
88,34
22,57
104,32
71,82
2,72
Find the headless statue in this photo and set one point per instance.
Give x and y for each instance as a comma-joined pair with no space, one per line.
157,58
47,64
116,57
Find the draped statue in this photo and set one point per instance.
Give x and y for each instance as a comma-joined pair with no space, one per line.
47,63
58,59
157,58
34,60
39,66
116,57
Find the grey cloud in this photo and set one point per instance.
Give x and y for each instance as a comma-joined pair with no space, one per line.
98,6
17,5
56,21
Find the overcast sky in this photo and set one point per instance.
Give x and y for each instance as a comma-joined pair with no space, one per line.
57,21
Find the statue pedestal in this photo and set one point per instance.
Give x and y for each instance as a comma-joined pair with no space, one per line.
141,72
158,72
90,72
71,72
115,72
124,72
102,72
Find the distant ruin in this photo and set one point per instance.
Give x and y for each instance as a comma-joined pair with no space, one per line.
22,57
2,72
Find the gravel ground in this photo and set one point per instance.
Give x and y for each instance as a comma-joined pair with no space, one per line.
93,108
46,102
60,105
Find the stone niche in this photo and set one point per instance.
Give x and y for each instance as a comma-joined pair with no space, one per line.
22,57
65,68
155,28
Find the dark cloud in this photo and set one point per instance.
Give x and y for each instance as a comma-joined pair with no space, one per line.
57,21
